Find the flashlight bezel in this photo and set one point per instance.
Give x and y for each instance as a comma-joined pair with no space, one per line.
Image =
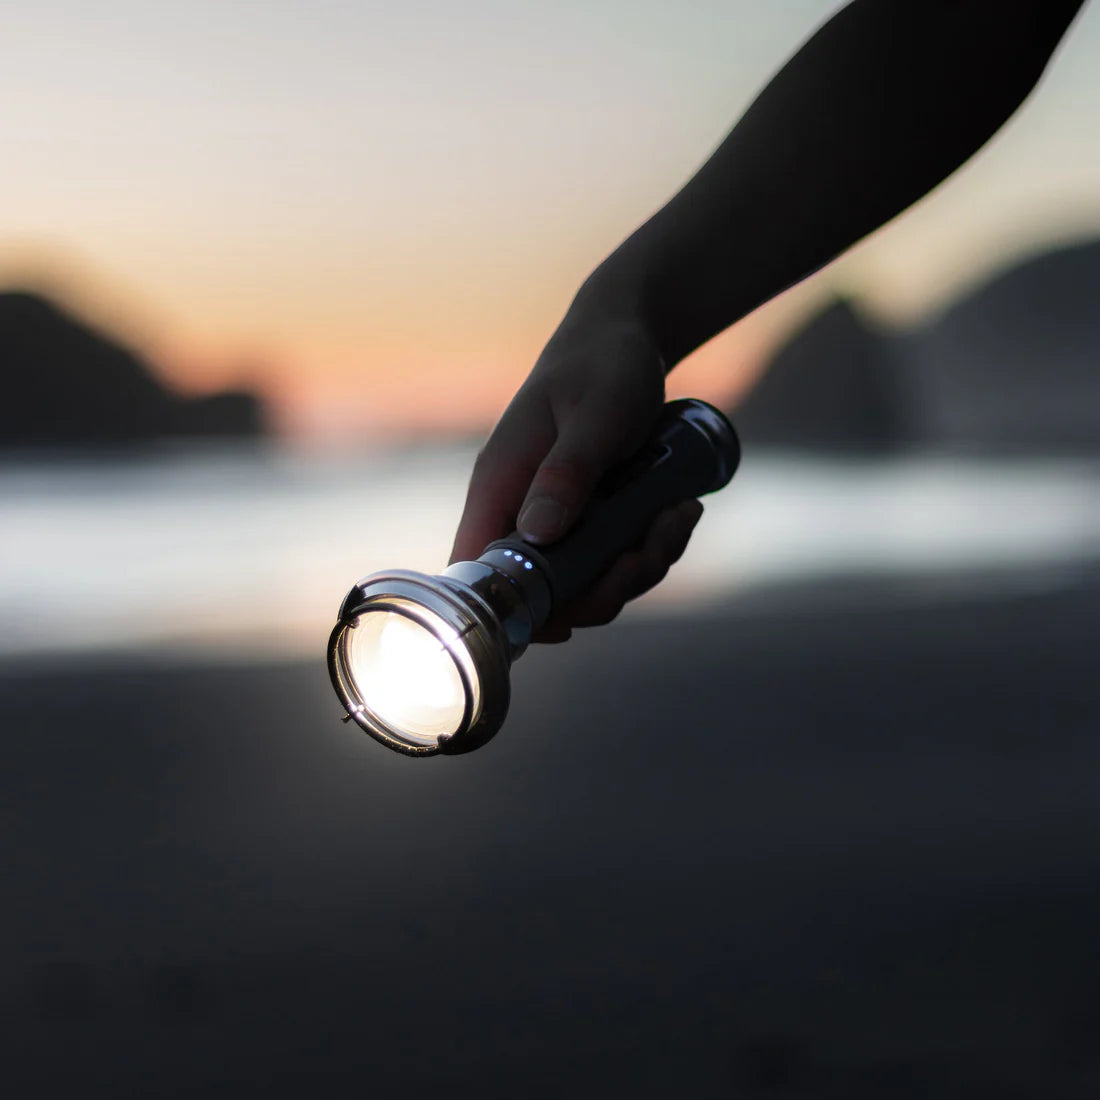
470,622
379,725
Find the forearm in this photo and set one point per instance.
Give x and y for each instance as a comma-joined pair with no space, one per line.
880,105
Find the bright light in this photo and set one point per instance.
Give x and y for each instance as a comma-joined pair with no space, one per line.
407,676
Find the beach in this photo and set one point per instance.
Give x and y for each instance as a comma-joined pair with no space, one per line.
833,840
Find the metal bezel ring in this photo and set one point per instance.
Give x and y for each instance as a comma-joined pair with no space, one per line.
471,620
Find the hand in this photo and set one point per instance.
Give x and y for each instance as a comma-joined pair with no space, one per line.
591,400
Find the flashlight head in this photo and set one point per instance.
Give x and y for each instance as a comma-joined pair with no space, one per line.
421,663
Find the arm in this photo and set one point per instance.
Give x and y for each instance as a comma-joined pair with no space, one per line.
879,106
884,102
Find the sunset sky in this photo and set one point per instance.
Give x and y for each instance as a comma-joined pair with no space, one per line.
375,213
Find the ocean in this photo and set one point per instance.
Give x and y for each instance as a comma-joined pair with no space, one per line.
250,552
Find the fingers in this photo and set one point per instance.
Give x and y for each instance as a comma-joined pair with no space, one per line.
501,476
635,572
590,440
640,570
591,399
554,632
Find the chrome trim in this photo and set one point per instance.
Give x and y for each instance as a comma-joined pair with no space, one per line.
466,613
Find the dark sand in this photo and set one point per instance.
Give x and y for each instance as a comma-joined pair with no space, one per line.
808,847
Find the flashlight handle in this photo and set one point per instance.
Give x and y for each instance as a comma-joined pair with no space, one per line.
692,451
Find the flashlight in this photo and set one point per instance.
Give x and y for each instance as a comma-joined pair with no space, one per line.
421,663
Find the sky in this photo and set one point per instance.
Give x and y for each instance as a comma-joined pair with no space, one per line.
376,213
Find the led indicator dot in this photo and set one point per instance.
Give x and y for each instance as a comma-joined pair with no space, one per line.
527,565
519,557
507,553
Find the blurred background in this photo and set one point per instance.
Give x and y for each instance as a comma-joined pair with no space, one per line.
817,817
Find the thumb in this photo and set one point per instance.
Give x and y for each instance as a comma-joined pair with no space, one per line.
588,444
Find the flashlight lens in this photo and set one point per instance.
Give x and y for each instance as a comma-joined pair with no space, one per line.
406,674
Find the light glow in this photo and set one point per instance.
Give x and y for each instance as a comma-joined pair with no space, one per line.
407,676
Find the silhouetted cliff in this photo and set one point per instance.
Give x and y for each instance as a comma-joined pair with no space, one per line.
1014,366
65,385
833,386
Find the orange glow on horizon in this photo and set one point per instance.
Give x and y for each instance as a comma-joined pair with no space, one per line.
440,362
375,219
454,375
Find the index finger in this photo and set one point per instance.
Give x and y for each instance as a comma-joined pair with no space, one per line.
501,477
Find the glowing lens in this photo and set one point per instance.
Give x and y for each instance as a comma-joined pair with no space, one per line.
406,675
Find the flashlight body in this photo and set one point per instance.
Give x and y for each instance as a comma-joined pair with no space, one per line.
481,614
692,451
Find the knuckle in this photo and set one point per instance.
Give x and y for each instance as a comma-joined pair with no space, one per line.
598,608
677,554
672,539
676,550
654,570
658,576
567,468
566,479
601,615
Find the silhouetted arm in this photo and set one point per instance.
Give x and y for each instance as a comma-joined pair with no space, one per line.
881,104
878,107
